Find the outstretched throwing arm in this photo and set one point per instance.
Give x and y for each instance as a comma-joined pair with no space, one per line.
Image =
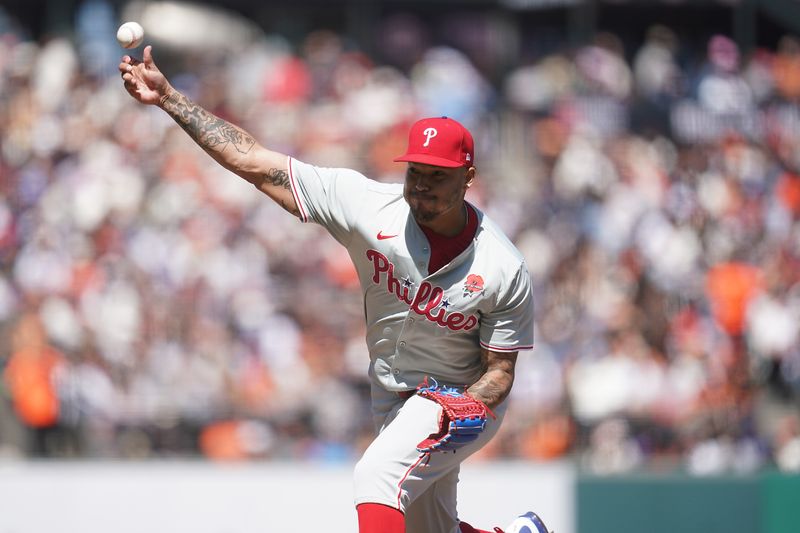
231,146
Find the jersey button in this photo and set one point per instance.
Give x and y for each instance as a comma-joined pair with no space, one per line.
396,371
402,344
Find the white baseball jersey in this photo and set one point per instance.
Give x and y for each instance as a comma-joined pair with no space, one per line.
419,324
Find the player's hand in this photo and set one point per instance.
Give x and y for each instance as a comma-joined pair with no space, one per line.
143,80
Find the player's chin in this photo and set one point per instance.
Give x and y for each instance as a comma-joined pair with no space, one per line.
422,214
423,206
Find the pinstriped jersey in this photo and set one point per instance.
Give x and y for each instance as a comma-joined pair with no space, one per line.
419,324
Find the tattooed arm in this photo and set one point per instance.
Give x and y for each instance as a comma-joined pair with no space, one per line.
229,145
498,376
233,148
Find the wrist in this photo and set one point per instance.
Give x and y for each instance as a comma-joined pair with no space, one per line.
489,403
168,92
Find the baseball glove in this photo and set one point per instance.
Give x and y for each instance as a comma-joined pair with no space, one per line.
462,419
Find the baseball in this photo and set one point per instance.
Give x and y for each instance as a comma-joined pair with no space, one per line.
130,34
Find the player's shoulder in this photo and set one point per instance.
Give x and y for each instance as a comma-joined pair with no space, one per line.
495,241
348,175
384,188
378,192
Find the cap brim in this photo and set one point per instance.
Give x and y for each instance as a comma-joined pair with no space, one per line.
427,159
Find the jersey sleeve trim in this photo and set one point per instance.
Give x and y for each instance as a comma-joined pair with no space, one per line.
295,193
506,349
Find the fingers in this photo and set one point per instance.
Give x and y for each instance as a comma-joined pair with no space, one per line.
126,71
128,60
148,56
129,83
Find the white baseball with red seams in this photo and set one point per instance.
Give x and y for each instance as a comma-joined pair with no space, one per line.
418,325
130,34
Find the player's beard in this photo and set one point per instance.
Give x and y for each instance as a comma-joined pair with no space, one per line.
420,211
426,208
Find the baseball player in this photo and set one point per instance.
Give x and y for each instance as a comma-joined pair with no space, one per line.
447,301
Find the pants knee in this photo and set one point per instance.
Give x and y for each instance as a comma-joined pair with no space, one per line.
372,483
365,475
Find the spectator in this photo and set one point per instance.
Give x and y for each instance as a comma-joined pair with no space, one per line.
31,376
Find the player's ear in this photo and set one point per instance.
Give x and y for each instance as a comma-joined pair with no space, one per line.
470,177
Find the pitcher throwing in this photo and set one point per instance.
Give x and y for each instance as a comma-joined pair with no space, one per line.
447,300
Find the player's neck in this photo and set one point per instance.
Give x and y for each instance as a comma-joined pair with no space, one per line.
451,222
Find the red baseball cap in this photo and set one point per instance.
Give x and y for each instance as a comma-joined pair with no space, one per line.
439,141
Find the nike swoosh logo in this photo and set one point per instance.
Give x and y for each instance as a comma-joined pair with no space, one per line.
382,237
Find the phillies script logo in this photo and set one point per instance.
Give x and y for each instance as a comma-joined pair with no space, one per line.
428,301
473,285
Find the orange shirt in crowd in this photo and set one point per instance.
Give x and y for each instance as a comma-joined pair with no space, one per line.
730,288
30,378
788,191
786,69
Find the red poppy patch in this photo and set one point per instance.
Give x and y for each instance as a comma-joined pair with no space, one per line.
473,285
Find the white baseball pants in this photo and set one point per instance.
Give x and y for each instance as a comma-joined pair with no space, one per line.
392,472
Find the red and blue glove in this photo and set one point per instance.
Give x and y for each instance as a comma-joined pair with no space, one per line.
462,420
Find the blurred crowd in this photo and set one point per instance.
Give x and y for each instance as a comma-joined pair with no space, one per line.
152,304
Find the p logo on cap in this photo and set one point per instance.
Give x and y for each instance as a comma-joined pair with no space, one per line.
429,134
439,141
